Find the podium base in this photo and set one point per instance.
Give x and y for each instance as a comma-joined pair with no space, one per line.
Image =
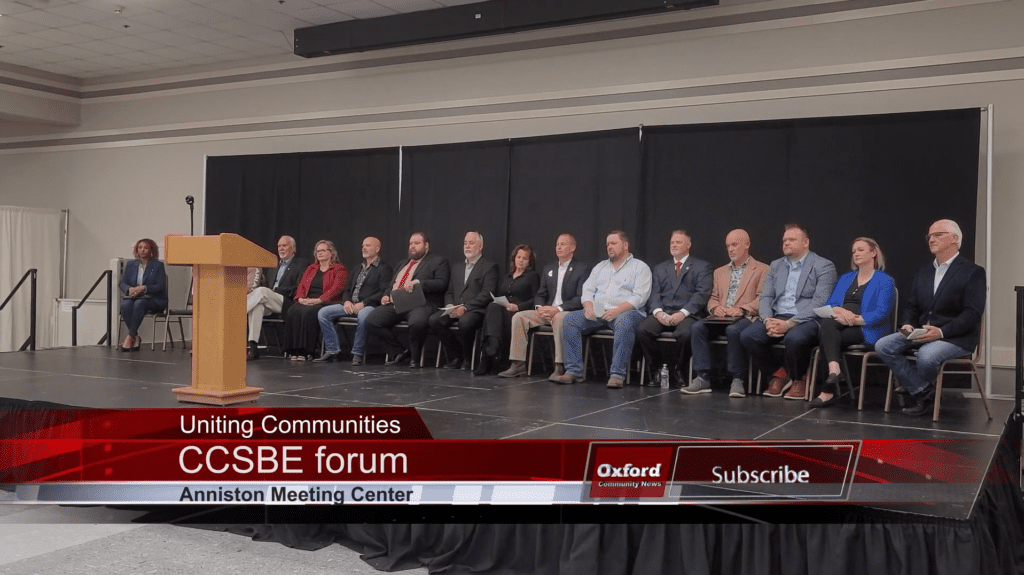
211,397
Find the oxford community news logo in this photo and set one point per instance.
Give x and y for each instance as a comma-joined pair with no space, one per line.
617,470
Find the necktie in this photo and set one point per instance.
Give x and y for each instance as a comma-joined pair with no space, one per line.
405,276
678,265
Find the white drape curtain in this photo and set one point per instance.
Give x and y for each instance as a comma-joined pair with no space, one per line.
29,238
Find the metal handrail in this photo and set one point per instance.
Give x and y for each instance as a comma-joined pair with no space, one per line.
30,343
74,311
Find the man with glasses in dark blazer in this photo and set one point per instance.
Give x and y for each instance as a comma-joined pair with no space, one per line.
946,300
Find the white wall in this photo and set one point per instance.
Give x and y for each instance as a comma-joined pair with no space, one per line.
124,189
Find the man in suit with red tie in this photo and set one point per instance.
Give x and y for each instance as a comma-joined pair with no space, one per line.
946,300
679,297
430,272
560,292
469,291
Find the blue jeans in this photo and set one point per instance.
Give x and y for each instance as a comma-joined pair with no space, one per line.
329,314
576,325
736,354
930,356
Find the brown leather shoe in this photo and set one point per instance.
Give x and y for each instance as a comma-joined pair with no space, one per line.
798,390
778,386
517,369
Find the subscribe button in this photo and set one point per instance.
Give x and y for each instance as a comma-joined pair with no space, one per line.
722,470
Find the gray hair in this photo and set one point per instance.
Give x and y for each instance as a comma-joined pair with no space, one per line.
954,228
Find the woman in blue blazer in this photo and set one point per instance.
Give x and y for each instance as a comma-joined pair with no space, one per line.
144,288
861,307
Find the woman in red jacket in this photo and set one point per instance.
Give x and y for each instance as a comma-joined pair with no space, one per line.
322,283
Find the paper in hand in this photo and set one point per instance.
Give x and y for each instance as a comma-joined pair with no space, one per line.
500,300
824,311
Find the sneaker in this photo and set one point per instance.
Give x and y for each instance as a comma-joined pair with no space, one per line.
615,382
698,385
738,388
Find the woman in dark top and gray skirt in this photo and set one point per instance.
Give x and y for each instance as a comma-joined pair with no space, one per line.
861,305
519,286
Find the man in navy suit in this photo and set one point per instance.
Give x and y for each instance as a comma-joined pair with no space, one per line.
795,285
679,297
560,290
946,300
472,282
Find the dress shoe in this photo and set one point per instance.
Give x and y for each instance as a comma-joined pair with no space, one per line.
831,387
357,359
517,369
400,358
328,357
484,366
466,365
615,382
454,364
778,386
921,403
413,364
566,378
798,390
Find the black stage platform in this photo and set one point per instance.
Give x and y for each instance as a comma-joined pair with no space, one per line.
980,518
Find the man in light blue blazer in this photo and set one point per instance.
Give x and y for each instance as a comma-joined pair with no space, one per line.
795,285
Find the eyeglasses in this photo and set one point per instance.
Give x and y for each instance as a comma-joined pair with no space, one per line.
936,235
323,251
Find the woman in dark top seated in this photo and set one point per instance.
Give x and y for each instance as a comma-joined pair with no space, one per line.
143,288
519,286
861,305
322,283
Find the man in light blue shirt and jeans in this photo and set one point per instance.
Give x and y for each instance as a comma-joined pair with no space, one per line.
613,296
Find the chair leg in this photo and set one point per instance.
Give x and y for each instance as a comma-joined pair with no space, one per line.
888,392
152,343
938,392
813,373
181,326
586,356
863,381
531,346
981,390
643,370
167,330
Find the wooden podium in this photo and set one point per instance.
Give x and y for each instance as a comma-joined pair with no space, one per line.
219,327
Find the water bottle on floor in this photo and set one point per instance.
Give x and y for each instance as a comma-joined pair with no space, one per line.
664,376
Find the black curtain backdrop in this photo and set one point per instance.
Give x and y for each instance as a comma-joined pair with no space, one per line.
886,177
582,184
340,196
256,197
452,189
355,195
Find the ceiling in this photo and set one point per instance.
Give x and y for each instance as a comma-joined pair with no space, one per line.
96,38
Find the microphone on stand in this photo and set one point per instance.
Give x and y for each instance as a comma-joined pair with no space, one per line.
192,214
